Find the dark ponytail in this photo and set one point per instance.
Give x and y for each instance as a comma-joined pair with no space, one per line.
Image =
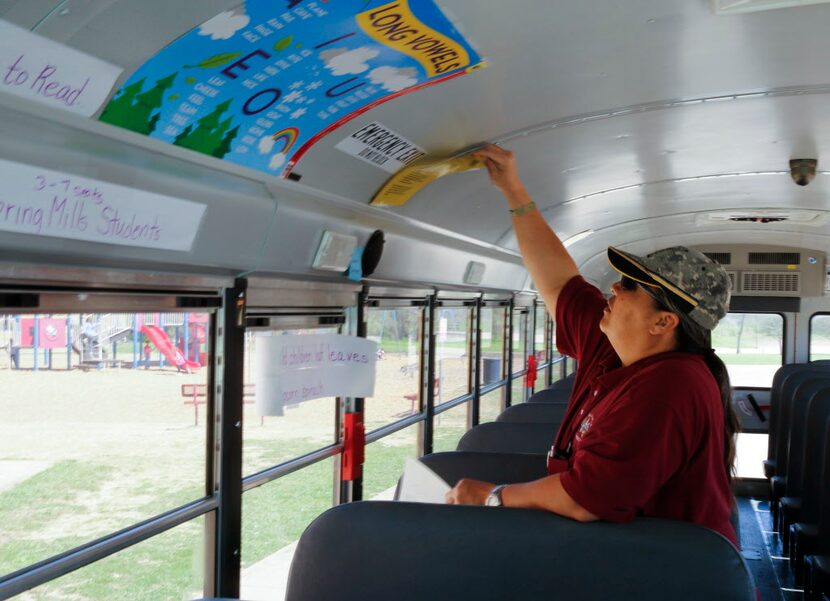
694,338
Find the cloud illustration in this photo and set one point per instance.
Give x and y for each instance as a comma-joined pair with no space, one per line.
348,62
266,144
392,79
277,161
223,25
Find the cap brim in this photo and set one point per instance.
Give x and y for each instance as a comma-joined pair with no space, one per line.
631,266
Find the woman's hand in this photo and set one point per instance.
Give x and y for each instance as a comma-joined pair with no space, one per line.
501,166
469,492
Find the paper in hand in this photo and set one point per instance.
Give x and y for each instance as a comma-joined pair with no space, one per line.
421,485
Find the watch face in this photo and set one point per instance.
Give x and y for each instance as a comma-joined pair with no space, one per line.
492,500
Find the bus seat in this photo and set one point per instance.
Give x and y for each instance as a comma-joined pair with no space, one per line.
501,437
551,395
416,551
778,380
533,413
790,504
803,535
499,468
780,448
566,383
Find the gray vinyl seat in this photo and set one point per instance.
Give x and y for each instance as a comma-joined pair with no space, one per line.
413,551
803,534
777,461
551,395
533,413
790,504
502,437
566,383
778,422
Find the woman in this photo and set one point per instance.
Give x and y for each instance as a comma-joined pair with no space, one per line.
650,426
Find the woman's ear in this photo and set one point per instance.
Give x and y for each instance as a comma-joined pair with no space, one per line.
665,322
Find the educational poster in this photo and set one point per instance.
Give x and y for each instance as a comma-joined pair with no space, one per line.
260,84
290,369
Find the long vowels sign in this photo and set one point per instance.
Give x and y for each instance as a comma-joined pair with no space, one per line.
44,71
42,202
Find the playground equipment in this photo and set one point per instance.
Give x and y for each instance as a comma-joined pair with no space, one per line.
94,340
163,343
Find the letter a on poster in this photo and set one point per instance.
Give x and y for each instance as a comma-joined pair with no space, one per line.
292,369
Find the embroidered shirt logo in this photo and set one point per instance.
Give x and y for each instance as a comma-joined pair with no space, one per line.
584,427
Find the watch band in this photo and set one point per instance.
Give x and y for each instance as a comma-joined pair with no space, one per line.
494,498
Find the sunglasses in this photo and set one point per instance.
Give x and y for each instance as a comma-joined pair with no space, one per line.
628,284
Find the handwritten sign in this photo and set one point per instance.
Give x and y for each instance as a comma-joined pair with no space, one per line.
291,369
45,71
41,202
259,84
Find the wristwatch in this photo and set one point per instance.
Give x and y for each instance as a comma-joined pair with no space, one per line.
494,498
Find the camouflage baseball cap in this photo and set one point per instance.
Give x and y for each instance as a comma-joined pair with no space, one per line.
699,287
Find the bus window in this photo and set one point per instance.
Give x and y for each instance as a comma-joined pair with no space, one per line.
752,347
540,347
452,357
302,427
397,331
819,337
104,426
449,427
274,516
385,459
520,323
491,405
492,344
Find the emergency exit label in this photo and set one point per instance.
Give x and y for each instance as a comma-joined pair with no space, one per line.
380,146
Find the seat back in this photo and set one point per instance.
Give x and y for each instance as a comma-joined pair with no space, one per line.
499,468
499,437
801,402
551,395
779,379
411,552
533,413
818,417
784,403
566,383
824,499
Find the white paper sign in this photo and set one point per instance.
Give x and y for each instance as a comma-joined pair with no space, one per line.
380,146
291,369
420,484
45,71
41,202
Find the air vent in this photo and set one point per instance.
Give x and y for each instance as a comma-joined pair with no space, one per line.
733,278
720,258
774,258
768,282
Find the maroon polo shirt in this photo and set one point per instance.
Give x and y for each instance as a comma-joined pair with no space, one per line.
646,439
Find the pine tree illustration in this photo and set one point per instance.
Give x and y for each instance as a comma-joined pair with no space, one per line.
133,110
208,136
225,146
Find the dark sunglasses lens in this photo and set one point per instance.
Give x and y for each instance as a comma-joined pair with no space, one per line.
626,283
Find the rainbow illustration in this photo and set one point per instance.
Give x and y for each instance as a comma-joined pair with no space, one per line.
287,136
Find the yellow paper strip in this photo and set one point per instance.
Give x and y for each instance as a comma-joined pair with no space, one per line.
407,182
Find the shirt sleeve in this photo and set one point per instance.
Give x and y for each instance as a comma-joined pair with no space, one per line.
622,462
578,313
